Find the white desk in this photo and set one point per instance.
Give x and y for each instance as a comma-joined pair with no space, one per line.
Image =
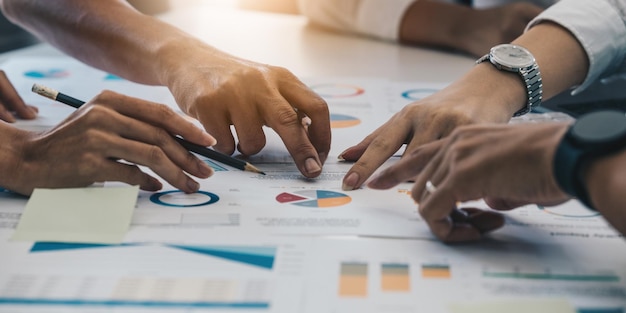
307,50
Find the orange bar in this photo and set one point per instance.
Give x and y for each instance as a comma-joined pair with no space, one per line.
353,280
436,271
395,277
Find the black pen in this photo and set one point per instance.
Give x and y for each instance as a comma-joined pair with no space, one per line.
201,150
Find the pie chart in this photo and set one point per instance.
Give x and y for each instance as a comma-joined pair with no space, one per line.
314,198
51,73
177,198
338,90
418,94
343,121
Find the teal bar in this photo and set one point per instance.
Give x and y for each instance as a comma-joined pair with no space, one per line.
129,303
549,276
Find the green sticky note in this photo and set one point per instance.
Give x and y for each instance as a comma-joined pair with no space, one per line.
514,306
86,215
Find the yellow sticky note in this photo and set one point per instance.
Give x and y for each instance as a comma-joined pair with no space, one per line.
87,215
514,306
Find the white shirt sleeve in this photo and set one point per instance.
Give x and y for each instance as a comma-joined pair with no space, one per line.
376,18
600,27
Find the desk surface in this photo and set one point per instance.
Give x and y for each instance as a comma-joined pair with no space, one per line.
307,50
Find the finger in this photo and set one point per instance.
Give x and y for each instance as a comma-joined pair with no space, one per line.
387,141
285,121
127,173
353,153
448,231
219,127
438,208
419,187
316,110
504,204
155,114
142,132
12,100
148,151
249,128
5,115
483,221
408,167
154,158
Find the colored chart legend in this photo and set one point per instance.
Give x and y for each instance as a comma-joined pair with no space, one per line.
353,280
436,271
343,121
395,277
314,198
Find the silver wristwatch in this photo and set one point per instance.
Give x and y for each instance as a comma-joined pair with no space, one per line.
513,58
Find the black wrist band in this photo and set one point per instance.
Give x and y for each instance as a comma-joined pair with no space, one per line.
568,166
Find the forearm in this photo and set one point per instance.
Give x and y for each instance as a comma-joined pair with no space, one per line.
109,35
561,58
562,62
606,184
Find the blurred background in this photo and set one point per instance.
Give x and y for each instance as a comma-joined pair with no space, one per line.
13,37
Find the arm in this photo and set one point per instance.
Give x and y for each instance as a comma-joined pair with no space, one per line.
376,18
424,22
85,148
208,84
458,27
485,95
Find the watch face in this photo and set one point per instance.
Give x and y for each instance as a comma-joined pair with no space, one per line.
602,127
512,56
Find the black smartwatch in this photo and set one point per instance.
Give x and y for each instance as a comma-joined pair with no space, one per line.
592,136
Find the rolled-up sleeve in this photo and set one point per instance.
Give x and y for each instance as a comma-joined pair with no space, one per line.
600,27
376,18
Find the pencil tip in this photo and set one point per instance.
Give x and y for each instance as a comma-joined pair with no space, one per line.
253,168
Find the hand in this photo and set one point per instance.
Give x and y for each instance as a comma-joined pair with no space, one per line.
11,103
86,147
484,29
249,95
464,102
508,166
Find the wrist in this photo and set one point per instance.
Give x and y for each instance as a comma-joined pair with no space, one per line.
509,58
174,56
591,138
605,181
499,94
